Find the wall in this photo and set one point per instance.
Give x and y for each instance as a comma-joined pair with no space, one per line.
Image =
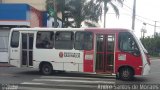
14,11
35,18
4,34
20,14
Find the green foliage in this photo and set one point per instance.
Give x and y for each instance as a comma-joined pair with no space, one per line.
111,3
51,11
50,7
81,10
152,45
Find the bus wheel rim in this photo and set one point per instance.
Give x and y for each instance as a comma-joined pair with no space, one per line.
46,69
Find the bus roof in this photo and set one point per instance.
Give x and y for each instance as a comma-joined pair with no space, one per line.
75,29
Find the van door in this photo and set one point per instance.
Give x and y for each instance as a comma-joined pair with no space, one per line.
105,48
27,49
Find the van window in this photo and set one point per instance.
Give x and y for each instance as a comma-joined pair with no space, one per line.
83,40
64,40
45,39
15,39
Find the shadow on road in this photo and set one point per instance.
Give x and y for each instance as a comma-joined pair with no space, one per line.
67,74
84,75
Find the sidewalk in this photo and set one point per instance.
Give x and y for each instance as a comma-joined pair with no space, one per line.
5,64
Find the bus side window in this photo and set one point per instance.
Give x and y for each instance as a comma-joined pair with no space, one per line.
127,42
64,40
45,40
83,40
15,39
88,40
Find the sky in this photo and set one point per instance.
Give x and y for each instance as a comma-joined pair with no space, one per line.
147,11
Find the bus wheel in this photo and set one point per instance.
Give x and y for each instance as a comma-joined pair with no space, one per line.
126,74
117,76
46,69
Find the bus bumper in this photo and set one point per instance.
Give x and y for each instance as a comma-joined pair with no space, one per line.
146,69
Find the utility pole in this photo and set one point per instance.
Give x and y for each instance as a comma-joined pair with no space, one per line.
63,17
133,14
155,28
55,15
105,14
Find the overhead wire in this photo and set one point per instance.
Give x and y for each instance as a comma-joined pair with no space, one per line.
147,19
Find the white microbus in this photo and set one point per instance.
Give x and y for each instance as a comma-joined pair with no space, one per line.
101,51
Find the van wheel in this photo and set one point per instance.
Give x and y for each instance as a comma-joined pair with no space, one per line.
46,69
126,74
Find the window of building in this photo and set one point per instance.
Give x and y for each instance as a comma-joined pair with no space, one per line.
64,40
45,39
15,39
83,40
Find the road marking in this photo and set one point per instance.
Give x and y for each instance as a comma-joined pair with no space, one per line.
6,74
76,81
82,86
31,83
155,60
154,72
42,88
60,85
82,78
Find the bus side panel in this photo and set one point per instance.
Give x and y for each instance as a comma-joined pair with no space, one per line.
88,61
127,59
65,60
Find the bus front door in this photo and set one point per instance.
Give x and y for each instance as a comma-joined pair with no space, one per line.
105,46
27,49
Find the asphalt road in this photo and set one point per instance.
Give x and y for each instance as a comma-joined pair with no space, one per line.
30,79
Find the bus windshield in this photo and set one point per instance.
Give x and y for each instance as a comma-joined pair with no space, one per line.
140,43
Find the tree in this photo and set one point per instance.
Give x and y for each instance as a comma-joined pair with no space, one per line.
81,10
152,44
54,6
104,4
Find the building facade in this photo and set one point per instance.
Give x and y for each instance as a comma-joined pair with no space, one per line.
16,15
41,6
37,4
22,13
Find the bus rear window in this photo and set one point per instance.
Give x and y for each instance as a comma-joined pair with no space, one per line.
15,39
83,40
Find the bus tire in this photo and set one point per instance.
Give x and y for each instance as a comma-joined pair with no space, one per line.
117,76
126,74
46,69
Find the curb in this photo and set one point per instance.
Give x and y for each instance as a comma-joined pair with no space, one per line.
155,58
5,64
